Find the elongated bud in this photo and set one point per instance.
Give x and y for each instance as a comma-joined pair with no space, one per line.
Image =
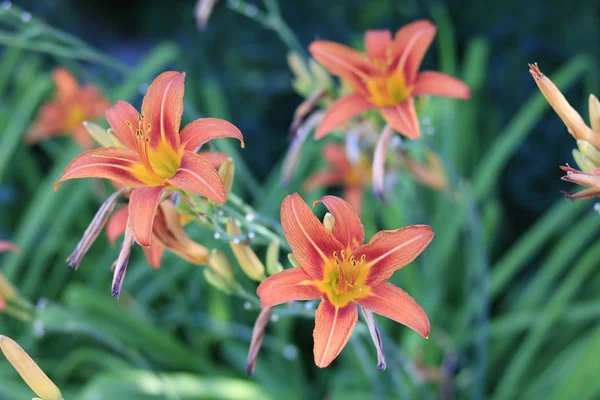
379,161
273,264
583,162
321,77
202,11
30,372
302,82
246,257
589,151
219,263
7,290
258,334
293,261
375,336
217,281
328,222
227,171
93,230
570,117
103,137
122,262
594,106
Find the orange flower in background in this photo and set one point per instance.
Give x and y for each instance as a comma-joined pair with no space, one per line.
385,78
152,156
352,176
69,108
344,272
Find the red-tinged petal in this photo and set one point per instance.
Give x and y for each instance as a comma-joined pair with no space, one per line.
389,251
353,195
7,246
394,303
341,60
123,119
323,179
108,162
377,43
379,157
341,111
2,304
66,84
215,158
162,108
143,204
201,131
347,228
335,154
440,84
117,224
196,175
154,254
410,45
310,242
403,118
333,327
287,285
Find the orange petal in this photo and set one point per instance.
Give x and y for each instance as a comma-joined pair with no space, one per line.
203,130
65,82
154,253
7,246
341,60
377,42
323,179
403,118
347,228
394,303
310,242
335,154
143,204
196,175
287,285
410,45
389,251
118,116
341,111
333,327
440,84
108,162
162,108
353,195
117,224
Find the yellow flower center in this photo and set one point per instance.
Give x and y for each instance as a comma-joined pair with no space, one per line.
388,90
344,278
75,117
360,174
158,163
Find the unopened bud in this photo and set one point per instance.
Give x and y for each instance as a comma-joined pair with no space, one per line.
594,113
589,151
293,260
7,290
103,137
219,263
302,82
273,264
328,222
94,229
322,78
583,162
30,372
258,334
375,336
122,262
227,171
246,257
217,281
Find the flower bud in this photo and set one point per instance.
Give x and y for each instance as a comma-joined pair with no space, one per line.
293,260
103,137
219,263
375,336
302,82
94,229
122,262
246,257
273,264
321,77
7,290
328,222
583,162
226,171
258,334
202,11
589,151
33,376
594,105
217,281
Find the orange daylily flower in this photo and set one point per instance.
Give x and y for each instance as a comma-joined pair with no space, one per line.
344,272
353,177
153,156
69,108
167,233
386,78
